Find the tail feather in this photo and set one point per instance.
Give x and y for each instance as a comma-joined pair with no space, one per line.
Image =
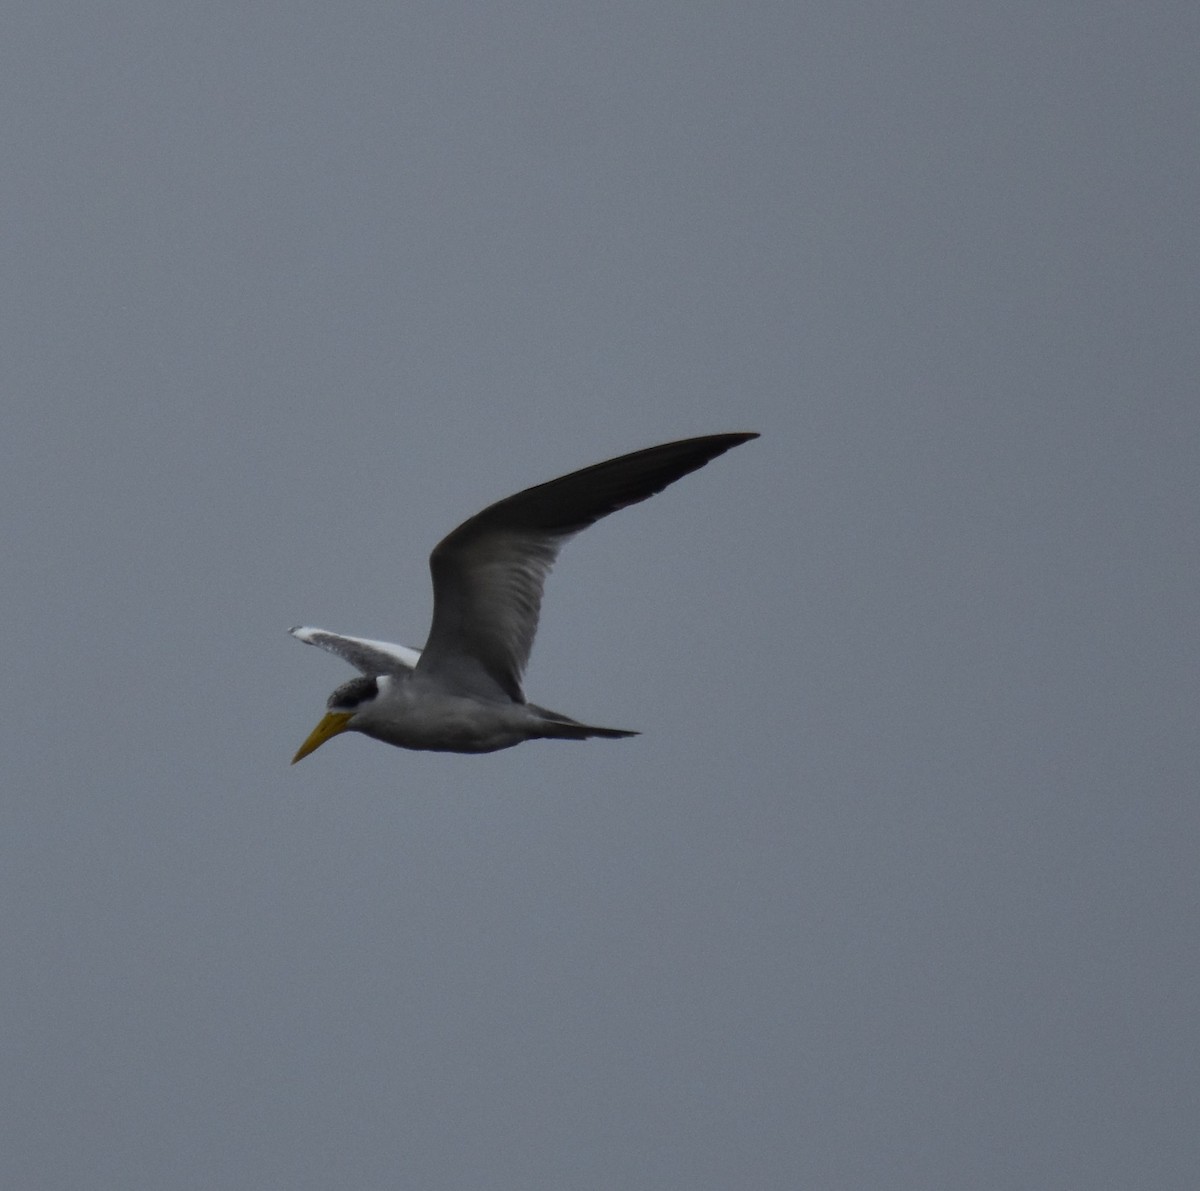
562,727
607,733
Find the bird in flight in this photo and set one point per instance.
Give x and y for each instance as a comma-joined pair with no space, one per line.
462,692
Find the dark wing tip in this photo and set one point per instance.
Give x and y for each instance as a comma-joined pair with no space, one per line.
572,502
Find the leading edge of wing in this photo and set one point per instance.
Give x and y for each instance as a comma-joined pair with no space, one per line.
569,504
369,657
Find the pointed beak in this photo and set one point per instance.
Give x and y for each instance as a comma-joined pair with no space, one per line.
331,724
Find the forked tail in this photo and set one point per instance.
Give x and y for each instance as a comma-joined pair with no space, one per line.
562,727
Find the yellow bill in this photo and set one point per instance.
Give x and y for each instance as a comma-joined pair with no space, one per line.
331,724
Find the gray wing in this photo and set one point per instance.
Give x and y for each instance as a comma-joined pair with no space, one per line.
488,574
371,657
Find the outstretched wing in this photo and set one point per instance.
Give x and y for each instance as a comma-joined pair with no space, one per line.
488,574
371,657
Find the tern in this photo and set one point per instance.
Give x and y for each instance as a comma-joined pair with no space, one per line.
462,692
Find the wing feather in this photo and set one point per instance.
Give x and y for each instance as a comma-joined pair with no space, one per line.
489,573
369,657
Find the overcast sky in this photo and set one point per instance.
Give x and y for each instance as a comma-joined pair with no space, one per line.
898,890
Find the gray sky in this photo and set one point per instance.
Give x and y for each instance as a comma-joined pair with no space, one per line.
899,887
